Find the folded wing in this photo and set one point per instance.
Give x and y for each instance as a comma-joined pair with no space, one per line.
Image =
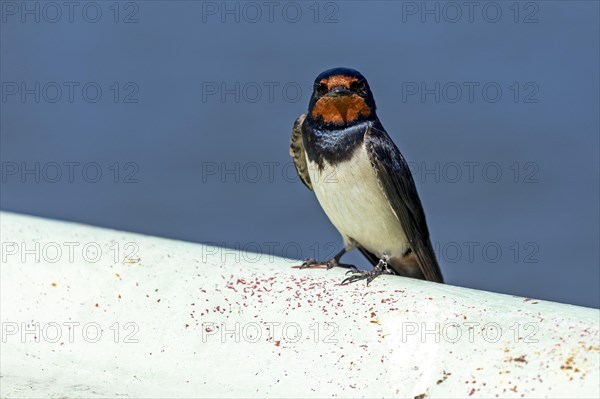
297,152
399,187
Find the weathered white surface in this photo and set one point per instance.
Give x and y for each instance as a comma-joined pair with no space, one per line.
170,288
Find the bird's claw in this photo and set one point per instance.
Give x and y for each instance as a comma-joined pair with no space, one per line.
308,262
369,275
311,262
359,275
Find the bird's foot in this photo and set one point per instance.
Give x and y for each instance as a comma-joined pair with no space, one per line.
370,275
313,263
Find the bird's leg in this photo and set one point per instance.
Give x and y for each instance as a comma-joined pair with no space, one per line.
333,262
380,268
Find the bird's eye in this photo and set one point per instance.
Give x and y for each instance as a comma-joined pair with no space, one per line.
357,85
320,87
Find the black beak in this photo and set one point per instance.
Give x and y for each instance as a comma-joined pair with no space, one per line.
338,91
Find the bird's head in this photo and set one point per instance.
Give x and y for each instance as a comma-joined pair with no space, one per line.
341,97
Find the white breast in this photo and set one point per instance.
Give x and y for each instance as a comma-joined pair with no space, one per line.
352,199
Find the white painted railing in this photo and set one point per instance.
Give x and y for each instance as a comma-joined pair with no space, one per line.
94,312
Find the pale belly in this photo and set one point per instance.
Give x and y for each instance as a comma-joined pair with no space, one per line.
352,199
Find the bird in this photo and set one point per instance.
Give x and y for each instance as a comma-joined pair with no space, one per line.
343,154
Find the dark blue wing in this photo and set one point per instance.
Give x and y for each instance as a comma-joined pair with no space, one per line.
399,187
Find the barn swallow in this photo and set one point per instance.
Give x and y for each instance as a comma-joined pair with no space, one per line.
344,155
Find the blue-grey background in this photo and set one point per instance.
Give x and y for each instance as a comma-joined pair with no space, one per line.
172,136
